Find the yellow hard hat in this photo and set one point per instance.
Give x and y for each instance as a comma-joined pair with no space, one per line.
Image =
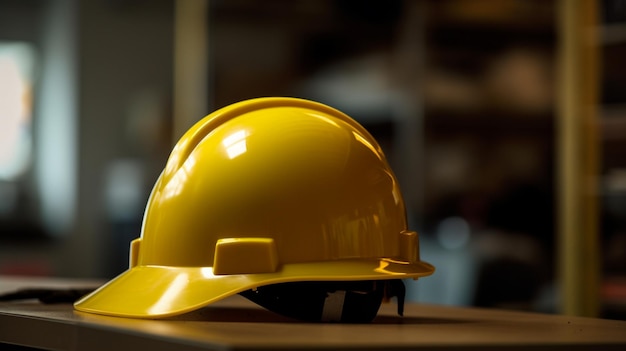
263,192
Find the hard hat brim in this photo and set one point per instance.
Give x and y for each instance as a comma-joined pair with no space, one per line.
160,292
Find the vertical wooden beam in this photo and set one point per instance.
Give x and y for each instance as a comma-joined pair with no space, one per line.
577,154
191,64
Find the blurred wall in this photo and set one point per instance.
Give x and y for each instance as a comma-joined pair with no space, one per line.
122,52
125,56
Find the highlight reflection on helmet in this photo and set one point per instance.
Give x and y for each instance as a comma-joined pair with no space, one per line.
270,197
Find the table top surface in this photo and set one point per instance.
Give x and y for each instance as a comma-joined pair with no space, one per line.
237,324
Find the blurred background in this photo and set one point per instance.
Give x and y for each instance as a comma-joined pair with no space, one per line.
505,122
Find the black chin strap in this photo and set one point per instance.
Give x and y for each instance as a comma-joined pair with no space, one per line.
328,301
47,296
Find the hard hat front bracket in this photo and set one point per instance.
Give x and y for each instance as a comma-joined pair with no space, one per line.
245,256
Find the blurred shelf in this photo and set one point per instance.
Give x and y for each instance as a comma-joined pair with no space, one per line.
513,15
613,122
613,294
611,34
611,41
482,122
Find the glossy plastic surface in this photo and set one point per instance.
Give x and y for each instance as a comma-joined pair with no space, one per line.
297,190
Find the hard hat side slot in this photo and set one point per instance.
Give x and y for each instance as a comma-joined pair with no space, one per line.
135,245
409,246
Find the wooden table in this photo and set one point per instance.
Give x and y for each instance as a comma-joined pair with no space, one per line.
237,324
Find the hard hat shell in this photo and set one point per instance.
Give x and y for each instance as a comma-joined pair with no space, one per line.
264,191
